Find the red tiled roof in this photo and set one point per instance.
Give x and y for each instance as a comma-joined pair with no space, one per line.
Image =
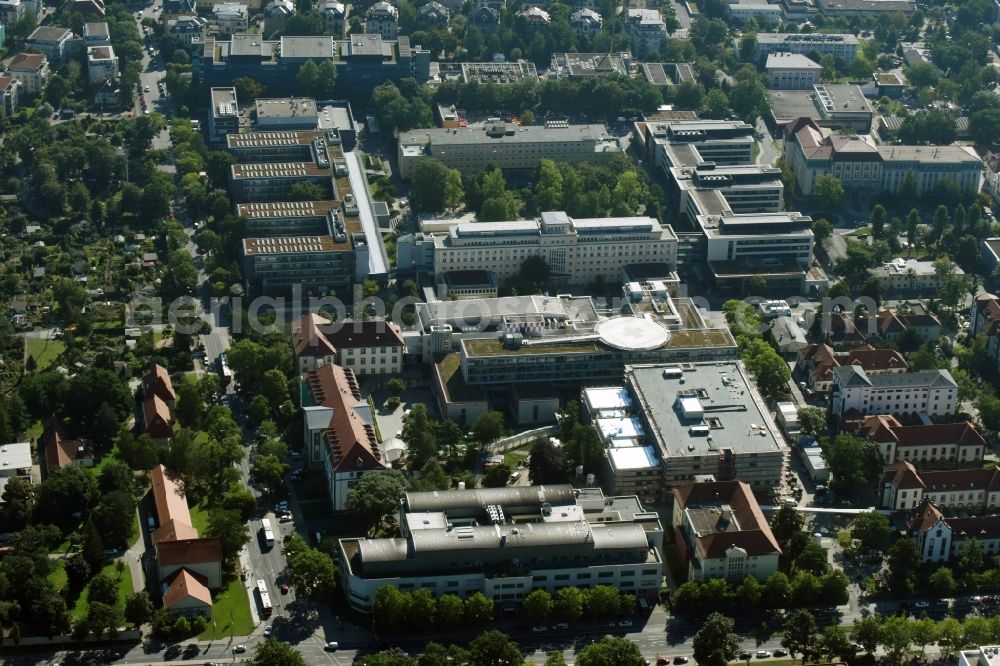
754,535
168,497
27,61
924,517
173,530
888,429
189,551
61,452
185,583
350,441
973,478
314,335
824,359
902,475
156,417
156,381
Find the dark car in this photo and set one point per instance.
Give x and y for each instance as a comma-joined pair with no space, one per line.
680,660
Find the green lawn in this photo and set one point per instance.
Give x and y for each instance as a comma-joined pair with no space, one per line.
512,458
58,576
199,517
45,352
231,605
79,610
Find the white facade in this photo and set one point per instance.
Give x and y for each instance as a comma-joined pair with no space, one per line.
229,18
334,16
791,71
647,31
744,10
382,19
933,392
31,71
102,64
900,275
576,250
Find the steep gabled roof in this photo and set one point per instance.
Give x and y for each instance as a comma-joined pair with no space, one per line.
168,497
60,452
185,583
350,440
754,535
902,475
189,551
885,428
156,417
156,381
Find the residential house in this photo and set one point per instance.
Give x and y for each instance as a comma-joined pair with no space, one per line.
433,15
940,538
536,17
586,21
31,71
61,451
985,320
96,34
338,430
925,445
158,398
484,18
922,327
909,276
382,19
334,15
367,347
276,14
8,94
646,30
188,29
229,18
186,593
853,391
102,64
816,363
721,532
974,489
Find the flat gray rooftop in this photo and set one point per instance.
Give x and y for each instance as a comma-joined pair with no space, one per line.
733,411
480,135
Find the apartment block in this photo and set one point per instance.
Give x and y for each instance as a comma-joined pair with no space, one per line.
854,392
909,276
382,19
926,445
721,532
372,347
646,30
842,46
31,71
506,542
338,429
335,16
867,168
96,34
975,489
817,362
506,146
52,41
229,18
576,250
102,63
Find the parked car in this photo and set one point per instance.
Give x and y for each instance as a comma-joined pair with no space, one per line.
331,646
239,649
781,652
284,588
268,630
680,660
922,604
763,654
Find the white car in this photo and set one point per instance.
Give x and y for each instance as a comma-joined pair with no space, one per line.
331,646
763,654
268,630
239,649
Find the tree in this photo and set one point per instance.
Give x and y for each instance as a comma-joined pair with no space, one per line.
569,603
180,275
229,526
853,462
494,648
749,98
716,644
603,602
828,190
436,188
65,492
768,367
391,608
247,90
800,633
812,421
715,105
834,644
103,588
497,476
555,658
537,606
547,463
904,559
867,633
276,653
268,470
376,494
423,608
114,518
611,651
312,574
822,229
450,610
103,618
488,427
478,609
877,219
138,609
942,582
984,126
896,636
872,530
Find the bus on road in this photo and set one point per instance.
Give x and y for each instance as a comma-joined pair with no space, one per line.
265,599
265,528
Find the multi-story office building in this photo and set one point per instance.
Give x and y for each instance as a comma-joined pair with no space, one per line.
102,63
854,392
31,71
274,180
362,61
52,41
860,8
909,276
865,167
834,106
707,418
96,34
646,29
791,71
688,143
365,347
224,117
316,264
586,65
842,46
775,246
338,430
507,146
719,191
576,250
288,113
290,218
721,532
506,542
759,10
